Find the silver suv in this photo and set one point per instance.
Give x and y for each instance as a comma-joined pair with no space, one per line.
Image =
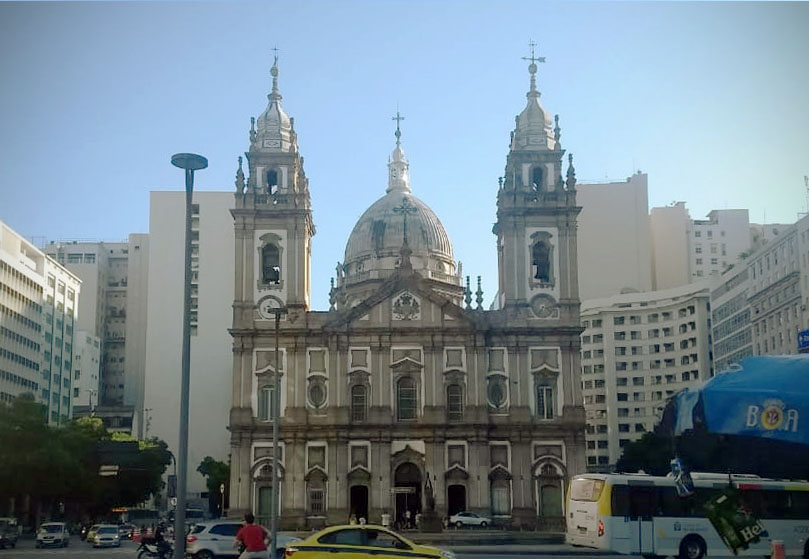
214,539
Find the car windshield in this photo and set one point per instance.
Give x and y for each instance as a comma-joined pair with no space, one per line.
51,527
108,530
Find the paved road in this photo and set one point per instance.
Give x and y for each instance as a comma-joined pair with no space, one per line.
80,550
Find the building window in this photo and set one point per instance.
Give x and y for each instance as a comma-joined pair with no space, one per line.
272,181
270,264
544,399
316,499
406,399
265,403
501,500
317,392
454,402
536,178
541,260
358,403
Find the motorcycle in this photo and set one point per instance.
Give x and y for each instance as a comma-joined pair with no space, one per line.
151,550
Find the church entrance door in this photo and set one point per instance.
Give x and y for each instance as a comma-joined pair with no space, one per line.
407,491
358,497
456,499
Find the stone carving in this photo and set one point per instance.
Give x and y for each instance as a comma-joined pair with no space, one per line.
406,307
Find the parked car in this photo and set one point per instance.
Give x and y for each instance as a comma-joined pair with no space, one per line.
53,533
362,541
9,532
214,539
106,536
469,519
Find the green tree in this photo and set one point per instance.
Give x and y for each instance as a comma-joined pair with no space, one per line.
216,473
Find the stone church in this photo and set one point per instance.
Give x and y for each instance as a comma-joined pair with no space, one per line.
406,385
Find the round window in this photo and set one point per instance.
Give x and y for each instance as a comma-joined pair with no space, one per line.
497,392
317,394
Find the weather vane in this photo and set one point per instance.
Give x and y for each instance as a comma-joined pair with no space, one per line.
533,59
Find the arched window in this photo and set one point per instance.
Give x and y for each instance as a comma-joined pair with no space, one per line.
265,403
544,399
501,497
270,264
536,178
272,181
358,402
541,259
454,402
406,399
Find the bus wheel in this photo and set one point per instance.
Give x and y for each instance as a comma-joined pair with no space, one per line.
806,550
692,547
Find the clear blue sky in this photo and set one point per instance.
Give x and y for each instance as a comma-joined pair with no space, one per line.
709,99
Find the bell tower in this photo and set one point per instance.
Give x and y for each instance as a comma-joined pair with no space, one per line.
273,217
536,218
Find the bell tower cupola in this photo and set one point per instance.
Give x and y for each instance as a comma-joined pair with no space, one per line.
536,217
273,215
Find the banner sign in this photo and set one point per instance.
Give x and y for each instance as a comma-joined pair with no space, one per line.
735,524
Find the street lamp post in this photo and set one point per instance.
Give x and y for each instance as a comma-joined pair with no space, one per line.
276,419
190,162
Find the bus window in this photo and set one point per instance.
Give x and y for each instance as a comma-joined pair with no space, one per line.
642,501
620,500
586,489
799,504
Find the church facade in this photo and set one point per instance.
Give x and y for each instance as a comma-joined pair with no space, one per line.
406,386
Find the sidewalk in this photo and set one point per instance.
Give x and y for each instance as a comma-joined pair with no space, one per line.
477,538
526,549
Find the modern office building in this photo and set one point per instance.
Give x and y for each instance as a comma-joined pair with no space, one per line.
614,242
638,350
212,315
38,311
113,309
731,328
777,294
86,370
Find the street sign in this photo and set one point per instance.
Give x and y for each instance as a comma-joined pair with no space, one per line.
803,341
405,490
108,471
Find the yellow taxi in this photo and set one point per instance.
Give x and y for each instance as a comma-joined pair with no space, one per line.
362,541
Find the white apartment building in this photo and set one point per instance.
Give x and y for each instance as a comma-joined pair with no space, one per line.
717,242
22,280
114,307
614,243
778,290
212,315
86,370
38,311
638,350
732,331
686,250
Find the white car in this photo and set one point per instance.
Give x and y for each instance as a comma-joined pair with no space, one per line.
53,533
107,536
469,519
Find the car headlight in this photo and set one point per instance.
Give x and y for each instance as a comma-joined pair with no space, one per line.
447,554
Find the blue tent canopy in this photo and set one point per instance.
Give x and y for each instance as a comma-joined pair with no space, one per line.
761,397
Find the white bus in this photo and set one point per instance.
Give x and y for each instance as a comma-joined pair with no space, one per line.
643,515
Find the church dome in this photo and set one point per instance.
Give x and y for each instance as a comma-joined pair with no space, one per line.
375,245
380,231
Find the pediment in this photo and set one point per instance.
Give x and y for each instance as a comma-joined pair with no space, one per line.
408,454
499,472
359,474
316,473
456,473
405,300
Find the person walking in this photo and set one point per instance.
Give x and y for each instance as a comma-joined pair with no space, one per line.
253,538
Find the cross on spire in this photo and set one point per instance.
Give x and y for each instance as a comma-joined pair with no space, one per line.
398,118
275,51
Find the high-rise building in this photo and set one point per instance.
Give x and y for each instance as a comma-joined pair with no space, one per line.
731,329
38,311
86,370
637,350
113,309
405,386
211,313
615,249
